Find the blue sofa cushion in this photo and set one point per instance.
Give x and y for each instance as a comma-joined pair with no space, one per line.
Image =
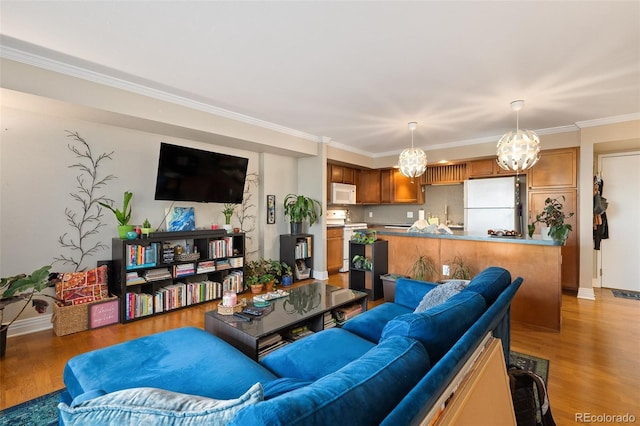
490,283
283,385
151,406
440,294
170,360
377,381
310,357
369,324
410,292
440,327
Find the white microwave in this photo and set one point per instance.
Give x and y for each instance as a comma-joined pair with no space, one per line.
342,193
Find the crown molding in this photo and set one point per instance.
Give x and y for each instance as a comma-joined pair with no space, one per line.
608,120
105,77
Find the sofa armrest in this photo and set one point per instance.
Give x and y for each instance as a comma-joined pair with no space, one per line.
410,292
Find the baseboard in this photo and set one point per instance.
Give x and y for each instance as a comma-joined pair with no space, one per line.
595,283
320,275
586,293
30,325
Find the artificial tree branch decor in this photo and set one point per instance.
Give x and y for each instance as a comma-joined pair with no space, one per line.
85,221
244,213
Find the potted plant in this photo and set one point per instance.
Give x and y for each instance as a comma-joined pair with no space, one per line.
299,209
287,275
423,268
460,270
361,262
146,228
553,217
261,273
123,216
21,288
228,211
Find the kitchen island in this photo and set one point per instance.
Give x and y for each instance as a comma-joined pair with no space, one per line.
538,301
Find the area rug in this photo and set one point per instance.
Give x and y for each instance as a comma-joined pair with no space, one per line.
627,294
41,411
540,366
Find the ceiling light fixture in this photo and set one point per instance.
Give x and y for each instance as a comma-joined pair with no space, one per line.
519,150
412,161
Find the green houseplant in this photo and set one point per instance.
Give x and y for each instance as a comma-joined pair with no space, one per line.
553,217
300,209
460,270
423,268
260,273
146,227
122,216
21,288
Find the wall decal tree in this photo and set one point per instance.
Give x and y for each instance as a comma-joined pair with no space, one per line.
85,221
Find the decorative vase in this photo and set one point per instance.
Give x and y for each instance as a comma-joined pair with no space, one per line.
256,288
146,232
296,228
123,229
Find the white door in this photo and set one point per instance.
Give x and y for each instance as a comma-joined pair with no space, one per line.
621,251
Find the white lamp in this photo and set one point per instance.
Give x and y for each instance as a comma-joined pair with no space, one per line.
519,150
412,161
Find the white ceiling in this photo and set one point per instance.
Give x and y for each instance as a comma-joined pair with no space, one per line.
357,72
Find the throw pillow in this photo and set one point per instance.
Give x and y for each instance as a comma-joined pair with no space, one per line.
440,294
152,406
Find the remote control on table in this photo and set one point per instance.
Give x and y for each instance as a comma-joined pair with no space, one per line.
252,311
243,316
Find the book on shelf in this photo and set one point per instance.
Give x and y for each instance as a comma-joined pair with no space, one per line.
269,340
220,248
234,281
299,332
157,274
268,349
206,266
347,312
141,256
328,320
132,278
184,269
223,264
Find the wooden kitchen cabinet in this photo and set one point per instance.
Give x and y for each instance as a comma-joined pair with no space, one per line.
403,191
557,168
334,249
369,189
386,186
487,167
342,174
570,251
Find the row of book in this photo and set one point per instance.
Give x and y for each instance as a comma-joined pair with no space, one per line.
302,249
221,248
139,256
171,297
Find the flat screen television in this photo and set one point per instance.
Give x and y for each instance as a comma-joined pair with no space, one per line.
189,174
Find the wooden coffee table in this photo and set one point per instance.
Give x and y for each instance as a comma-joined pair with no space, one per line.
305,305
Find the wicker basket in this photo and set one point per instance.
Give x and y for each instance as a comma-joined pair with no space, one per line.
229,310
72,318
185,257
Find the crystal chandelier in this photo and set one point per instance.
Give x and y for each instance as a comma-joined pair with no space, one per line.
412,161
519,150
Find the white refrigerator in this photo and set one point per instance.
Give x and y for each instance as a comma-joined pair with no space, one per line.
493,203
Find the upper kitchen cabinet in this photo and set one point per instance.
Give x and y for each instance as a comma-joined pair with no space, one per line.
557,168
403,190
369,189
342,174
486,168
444,174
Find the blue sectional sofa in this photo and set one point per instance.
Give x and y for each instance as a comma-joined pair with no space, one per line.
386,366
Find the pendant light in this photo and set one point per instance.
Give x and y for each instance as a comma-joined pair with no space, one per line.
412,161
519,150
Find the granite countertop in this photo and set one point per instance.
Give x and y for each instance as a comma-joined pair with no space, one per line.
461,235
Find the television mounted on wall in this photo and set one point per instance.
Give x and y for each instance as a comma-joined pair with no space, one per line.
189,174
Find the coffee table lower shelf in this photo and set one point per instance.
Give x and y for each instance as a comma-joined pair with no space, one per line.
304,307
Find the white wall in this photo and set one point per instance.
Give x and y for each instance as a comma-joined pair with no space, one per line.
36,182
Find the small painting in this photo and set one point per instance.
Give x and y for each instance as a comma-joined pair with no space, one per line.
181,219
271,209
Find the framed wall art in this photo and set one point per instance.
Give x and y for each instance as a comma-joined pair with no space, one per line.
271,209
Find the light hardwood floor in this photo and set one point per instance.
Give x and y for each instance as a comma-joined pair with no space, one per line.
594,361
